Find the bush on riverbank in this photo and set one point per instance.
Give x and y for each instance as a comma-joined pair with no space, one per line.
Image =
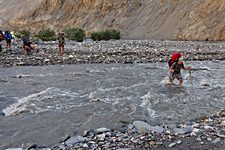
46,35
20,34
105,35
75,34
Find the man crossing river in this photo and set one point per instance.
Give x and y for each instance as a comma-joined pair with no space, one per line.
175,66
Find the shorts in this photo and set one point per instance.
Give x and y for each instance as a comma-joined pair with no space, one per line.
61,45
8,41
176,76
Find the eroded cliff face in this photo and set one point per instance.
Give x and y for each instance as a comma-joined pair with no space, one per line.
136,19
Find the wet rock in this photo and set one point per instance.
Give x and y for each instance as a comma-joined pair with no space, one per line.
171,145
217,140
183,130
101,130
32,146
64,139
140,125
101,137
75,140
179,142
157,129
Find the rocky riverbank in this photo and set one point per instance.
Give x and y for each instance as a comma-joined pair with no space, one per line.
203,133
122,51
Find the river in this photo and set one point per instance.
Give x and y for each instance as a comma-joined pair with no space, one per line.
42,104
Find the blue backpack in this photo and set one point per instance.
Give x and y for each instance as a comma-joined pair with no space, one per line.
8,35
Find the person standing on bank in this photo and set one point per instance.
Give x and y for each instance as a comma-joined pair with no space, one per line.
8,38
2,37
61,42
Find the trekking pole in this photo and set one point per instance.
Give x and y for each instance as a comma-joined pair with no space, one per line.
190,72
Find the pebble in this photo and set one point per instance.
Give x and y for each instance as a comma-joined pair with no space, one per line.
171,145
101,130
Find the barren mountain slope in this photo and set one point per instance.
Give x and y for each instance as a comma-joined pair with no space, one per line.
136,19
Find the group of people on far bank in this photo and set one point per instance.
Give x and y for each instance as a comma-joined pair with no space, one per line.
7,36
28,47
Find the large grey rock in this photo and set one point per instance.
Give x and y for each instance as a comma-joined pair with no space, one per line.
217,140
157,129
140,125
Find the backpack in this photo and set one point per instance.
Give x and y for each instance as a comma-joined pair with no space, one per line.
61,39
26,39
2,37
8,36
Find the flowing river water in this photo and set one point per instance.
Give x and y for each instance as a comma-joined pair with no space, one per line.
42,104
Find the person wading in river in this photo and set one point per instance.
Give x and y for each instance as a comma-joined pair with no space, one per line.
175,66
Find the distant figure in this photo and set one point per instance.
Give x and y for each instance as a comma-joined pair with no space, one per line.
61,42
175,66
2,37
27,44
8,38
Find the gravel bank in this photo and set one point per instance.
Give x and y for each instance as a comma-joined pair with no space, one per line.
122,51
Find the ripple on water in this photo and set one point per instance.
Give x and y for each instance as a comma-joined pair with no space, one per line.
46,100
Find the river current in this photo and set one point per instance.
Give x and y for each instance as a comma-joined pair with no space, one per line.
42,104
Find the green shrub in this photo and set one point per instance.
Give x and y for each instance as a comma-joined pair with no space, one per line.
46,35
96,36
105,35
75,34
115,34
20,34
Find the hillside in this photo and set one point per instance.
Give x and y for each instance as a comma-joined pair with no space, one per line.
136,19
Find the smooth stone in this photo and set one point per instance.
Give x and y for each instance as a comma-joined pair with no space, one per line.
101,136
101,130
157,129
140,125
217,140
179,141
108,134
75,140
171,145
85,146
85,133
184,130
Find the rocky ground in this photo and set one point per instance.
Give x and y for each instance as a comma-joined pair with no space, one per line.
123,51
204,133
207,133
